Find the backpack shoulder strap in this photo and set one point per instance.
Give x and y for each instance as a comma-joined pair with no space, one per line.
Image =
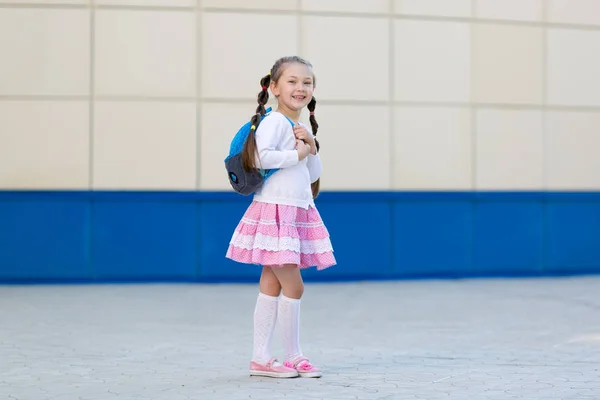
289,120
268,113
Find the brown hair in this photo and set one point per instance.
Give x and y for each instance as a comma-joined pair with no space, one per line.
249,151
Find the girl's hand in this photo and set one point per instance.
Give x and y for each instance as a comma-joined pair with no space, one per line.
303,149
301,133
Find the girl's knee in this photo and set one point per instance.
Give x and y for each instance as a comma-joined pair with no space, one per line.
298,292
269,284
290,279
294,290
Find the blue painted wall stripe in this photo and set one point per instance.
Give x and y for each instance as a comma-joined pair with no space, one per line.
104,236
325,196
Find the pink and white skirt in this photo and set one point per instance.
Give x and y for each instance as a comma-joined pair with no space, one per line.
273,235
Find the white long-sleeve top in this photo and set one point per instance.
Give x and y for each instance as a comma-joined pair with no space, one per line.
276,146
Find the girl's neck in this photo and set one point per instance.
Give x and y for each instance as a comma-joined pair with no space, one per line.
293,115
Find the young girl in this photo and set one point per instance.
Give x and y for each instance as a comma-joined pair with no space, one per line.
281,229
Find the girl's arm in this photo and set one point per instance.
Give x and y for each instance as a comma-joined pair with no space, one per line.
268,136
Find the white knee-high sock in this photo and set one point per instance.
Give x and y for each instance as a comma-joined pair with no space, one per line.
288,317
265,317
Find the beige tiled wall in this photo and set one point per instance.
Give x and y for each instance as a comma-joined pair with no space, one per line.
432,61
45,144
437,8
498,132
144,53
432,148
516,10
44,52
413,94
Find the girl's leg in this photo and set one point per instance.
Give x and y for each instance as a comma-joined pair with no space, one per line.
288,315
289,308
269,284
265,315
265,318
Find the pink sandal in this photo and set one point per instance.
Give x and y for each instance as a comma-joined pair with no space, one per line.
304,367
271,370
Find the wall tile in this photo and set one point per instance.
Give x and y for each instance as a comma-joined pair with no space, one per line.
432,148
134,56
45,145
517,10
150,3
441,8
350,56
508,64
254,4
573,65
355,147
509,152
44,52
47,2
359,6
432,61
572,144
148,145
585,12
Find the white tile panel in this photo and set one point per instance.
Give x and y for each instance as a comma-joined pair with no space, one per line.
517,10
438,8
254,4
145,53
432,148
48,2
45,145
573,76
147,3
508,64
144,145
350,56
509,152
359,6
573,140
584,12
355,147
432,61
44,52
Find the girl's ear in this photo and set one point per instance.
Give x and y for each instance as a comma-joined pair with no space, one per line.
274,89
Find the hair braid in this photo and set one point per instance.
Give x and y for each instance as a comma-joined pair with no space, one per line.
249,150
315,186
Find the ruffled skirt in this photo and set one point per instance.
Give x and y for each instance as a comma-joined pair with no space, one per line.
273,235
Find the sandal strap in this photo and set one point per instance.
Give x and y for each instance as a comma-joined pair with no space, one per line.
300,359
271,361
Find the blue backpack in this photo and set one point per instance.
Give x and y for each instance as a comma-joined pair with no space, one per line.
242,181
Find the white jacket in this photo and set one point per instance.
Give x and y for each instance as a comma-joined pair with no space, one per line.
276,145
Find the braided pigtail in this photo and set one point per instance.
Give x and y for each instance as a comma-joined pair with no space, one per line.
315,127
249,151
